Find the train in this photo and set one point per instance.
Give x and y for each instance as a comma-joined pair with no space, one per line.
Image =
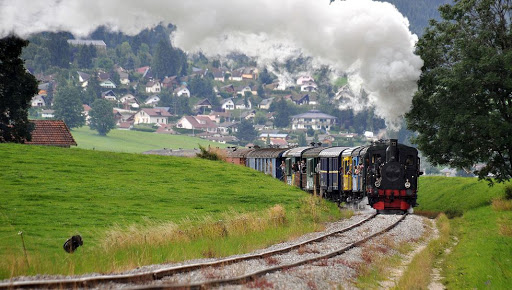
385,172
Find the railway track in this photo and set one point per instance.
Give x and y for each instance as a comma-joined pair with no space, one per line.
163,278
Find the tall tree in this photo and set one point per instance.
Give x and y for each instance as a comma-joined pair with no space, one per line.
60,53
463,109
282,117
165,60
102,117
17,87
246,131
68,106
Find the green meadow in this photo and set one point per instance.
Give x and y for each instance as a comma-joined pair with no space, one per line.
135,141
480,232
133,210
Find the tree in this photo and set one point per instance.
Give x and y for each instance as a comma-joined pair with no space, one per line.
462,111
60,53
68,106
301,139
17,87
282,118
165,60
246,131
102,117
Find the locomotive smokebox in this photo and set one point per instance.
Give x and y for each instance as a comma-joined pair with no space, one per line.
392,151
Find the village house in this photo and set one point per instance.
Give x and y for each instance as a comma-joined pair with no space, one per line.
108,84
48,114
100,45
227,128
203,105
129,101
236,76
309,87
228,104
153,87
218,75
38,101
250,73
152,101
265,103
220,117
152,116
280,140
83,78
243,104
304,79
203,123
170,82
182,91
242,90
109,95
313,119
124,77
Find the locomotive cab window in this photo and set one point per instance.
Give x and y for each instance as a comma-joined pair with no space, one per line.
409,160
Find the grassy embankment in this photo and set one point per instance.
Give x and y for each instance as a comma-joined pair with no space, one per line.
133,210
479,234
135,141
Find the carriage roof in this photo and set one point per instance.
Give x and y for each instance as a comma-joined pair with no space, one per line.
295,152
266,153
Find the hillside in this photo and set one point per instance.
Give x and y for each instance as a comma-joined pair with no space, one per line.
480,235
50,194
136,141
419,12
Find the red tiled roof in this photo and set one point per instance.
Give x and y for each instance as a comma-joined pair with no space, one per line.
52,133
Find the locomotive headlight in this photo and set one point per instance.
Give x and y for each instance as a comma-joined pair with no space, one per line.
407,183
377,183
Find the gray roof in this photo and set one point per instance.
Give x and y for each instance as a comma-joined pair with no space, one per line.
313,114
86,42
295,152
332,151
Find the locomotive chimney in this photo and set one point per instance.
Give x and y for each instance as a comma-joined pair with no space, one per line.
392,150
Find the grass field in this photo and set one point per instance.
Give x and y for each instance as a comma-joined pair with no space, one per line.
135,141
482,225
50,194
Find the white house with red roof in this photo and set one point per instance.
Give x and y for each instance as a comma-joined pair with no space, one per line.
203,123
152,116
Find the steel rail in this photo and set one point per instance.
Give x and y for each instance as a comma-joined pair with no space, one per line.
252,276
161,273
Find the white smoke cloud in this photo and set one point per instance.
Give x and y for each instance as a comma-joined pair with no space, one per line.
369,40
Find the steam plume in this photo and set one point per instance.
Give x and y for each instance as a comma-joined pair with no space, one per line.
369,40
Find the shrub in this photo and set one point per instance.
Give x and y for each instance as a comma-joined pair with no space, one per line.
453,213
508,191
210,154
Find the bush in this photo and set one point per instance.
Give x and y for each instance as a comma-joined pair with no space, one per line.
453,213
508,191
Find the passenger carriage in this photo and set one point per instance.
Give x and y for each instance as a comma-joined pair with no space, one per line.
267,160
311,176
237,155
331,180
294,156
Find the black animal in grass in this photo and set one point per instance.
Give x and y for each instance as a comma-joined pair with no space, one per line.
73,243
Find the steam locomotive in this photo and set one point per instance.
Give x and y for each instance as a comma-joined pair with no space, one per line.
386,172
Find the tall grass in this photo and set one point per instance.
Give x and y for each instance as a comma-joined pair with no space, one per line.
418,273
